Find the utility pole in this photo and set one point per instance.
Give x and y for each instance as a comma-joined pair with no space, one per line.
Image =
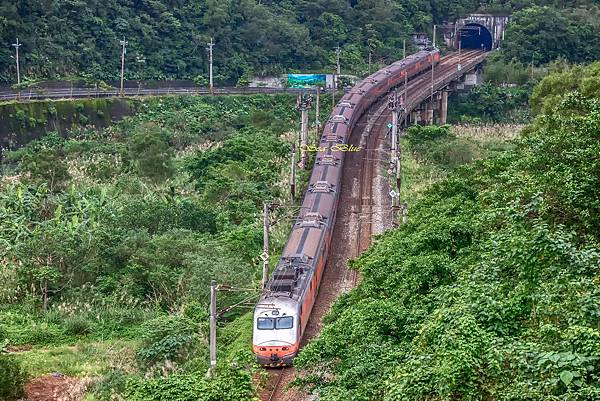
293,175
369,61
303,104
459,52
265,254
532,66
211,44
123,52
213,328
16,46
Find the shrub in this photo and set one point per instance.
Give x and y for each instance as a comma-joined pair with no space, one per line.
107,388
166,338
229,385
12,378
149,149
77,325
440,146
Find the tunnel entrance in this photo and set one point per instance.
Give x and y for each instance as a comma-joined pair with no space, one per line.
475,36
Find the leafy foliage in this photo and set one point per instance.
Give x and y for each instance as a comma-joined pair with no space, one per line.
542,33
149,150
166,339
490,291
229,385
489,103
12,378
440,146
167,39
150,210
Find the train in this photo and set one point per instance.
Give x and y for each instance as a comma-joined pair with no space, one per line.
284,307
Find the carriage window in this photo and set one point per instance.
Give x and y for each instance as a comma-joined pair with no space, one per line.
286,322
265,323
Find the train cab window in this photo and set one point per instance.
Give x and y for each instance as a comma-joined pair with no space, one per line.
265,323
286,322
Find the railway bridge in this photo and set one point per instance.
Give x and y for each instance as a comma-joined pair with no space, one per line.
427,95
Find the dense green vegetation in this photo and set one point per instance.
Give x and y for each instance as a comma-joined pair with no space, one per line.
109,240
21,122
541,34
167,39
490,290
489,103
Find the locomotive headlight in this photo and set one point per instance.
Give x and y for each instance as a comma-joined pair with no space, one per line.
275,313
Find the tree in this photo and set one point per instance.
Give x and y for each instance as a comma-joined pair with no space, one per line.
150,152
542,34
47,165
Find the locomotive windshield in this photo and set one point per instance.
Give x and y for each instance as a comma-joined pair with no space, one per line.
266,323
284,322
270,323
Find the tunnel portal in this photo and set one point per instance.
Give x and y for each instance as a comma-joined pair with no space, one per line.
475,36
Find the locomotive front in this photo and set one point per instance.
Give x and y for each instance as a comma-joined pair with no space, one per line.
276,331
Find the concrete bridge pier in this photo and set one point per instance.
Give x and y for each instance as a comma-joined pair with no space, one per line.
431,112
442,107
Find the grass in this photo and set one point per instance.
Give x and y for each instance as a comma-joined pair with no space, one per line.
82,359
480,141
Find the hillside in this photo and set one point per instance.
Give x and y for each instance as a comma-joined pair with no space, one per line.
167,38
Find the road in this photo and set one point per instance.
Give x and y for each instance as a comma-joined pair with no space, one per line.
80,93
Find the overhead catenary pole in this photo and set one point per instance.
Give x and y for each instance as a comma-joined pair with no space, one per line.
213,328
16,46
317,122
432,70
265,254
405,73
293,173
210,44
338,50
333,93
459,66
393,106
123,52
303,104
338,71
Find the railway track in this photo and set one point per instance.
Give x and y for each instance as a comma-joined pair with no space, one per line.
364,207
354,214
275,384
